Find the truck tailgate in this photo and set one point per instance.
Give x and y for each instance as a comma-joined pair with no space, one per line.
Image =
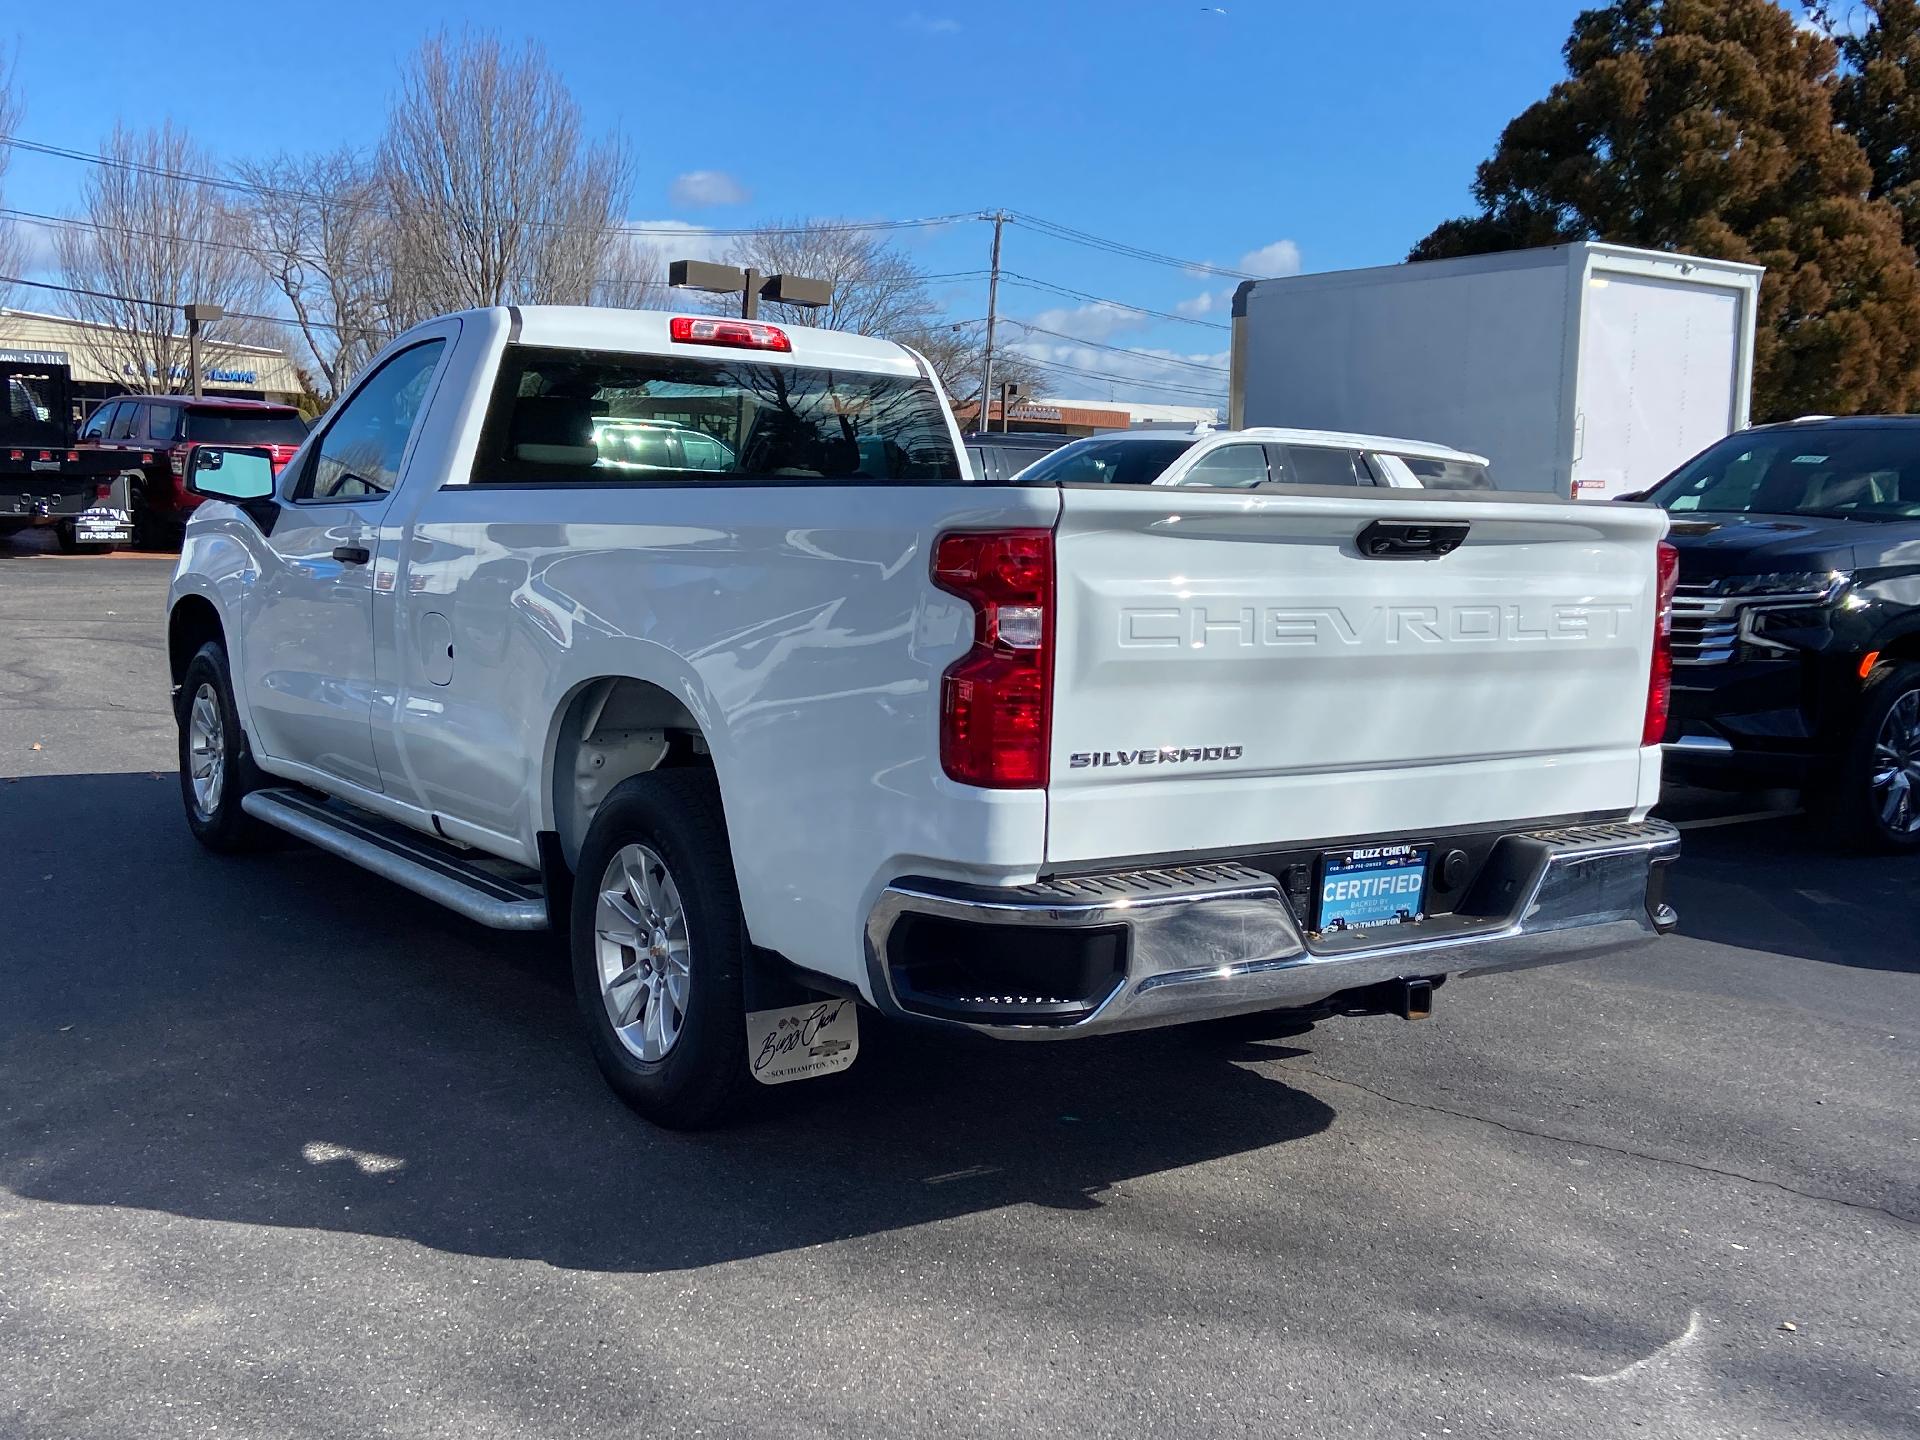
1232,671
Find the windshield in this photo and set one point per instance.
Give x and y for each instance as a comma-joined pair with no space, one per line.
1811,470
678,419
1118,461
245,427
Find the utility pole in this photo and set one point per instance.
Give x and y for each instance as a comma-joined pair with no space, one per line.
985,422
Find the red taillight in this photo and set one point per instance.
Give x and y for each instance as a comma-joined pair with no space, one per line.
1660,678
102,490
996,701
742,334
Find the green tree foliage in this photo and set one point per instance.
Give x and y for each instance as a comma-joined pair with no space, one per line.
1707,126
1877,100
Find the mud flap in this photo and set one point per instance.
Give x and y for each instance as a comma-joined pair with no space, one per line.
795,1032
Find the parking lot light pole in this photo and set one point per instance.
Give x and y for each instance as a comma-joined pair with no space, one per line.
750,285
198,315
1009,392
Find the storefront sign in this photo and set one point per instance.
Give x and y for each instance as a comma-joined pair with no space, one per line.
179,372
32,357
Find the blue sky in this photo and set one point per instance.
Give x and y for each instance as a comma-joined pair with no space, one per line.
1264,135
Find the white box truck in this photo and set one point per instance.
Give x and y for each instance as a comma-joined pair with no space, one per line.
1584,370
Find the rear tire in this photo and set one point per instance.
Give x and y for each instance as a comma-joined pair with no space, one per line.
660,950
1869,799
63,536
216,767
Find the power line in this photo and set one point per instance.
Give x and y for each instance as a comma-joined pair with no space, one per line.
280,320
249,187
1013,277
1119,349
73,222
1172,386
1121,247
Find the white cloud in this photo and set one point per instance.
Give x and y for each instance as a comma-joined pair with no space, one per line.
931,24
1282,257
1207,302
685,240
707,187
1090,322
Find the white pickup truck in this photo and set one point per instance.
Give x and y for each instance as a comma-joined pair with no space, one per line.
696,638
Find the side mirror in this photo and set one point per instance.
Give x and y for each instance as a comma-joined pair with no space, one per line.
238,475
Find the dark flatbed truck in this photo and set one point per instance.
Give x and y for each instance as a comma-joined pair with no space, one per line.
44,479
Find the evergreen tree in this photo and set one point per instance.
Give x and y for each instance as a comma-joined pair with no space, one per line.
1707,126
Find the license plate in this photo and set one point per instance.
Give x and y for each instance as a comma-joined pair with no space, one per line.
1372,885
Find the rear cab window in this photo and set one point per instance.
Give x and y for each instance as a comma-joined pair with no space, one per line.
562,415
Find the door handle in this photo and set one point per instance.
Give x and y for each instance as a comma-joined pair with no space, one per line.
1402,540
352,554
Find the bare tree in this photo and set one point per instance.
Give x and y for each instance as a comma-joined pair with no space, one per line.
494,195
317,225
877,289
955,351
632,277
12,250
148,240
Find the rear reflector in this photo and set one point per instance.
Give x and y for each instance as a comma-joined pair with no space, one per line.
741,334
1660,676
996,701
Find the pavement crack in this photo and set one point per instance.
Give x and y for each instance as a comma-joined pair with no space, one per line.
1625,1151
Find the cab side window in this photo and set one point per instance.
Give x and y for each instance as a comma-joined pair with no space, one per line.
359,456
1231,467
121,426
1316,465
163,423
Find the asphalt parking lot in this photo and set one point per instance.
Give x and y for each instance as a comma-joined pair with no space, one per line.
285,1151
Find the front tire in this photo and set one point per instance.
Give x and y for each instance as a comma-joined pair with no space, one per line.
1871,798
660,950
216,768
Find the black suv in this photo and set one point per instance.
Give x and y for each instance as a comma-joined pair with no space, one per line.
1796,625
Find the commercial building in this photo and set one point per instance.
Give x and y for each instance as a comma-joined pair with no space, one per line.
244,372
1089,417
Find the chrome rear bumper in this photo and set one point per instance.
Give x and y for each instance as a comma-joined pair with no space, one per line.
1213,940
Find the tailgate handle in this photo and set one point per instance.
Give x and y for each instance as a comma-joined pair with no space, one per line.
1408,540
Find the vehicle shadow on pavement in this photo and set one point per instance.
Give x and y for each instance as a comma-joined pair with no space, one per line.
284,1040
1841,909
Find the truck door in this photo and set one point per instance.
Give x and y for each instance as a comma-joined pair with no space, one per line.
1659,362
308,646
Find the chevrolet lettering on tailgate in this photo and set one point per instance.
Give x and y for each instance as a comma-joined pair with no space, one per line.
1247,626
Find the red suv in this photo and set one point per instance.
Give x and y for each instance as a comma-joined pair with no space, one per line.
168,427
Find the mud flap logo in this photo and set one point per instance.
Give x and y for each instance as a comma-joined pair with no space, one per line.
800,1042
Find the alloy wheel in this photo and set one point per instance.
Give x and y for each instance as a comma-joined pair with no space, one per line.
206,751
1896,767
643,952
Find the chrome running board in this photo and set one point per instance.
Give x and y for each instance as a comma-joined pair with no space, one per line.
415,862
